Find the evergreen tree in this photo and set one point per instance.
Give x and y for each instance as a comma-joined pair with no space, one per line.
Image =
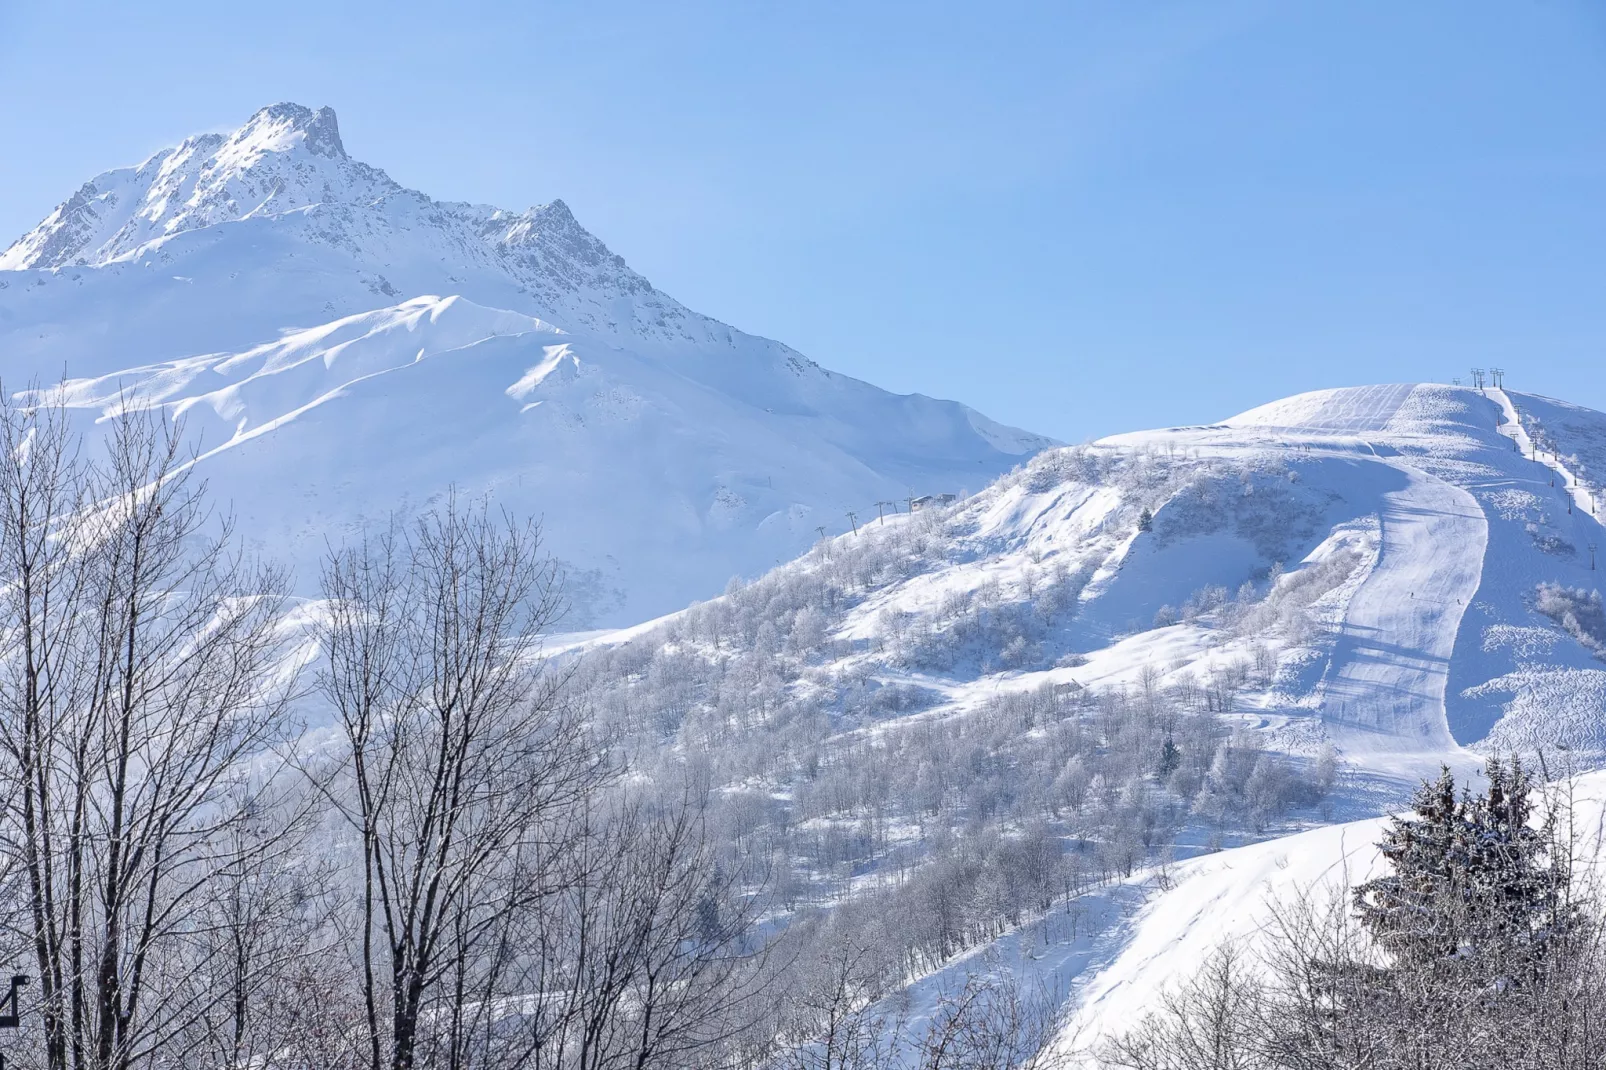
1401,908
1170,757
1472,879
1471,952
1146,520
1516,886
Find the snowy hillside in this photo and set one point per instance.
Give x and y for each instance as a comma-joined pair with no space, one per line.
1360,567
936,737
1228,898
339,344
982,721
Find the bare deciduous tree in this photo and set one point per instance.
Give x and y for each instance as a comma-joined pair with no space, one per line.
261,933
464,765
992,1023
836,1019
1210,1022
648,953
142,666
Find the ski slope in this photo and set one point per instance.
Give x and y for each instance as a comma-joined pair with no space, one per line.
1428,513
1410,528
1465,524
1325,413
1390,663
1361,562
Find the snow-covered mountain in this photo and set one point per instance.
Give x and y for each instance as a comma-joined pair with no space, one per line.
1403,572
340,345
976,725
1378,579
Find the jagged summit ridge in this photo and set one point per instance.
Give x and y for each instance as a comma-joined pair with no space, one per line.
285,157
284,175
318,129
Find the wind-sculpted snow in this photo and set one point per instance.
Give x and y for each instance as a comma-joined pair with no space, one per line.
655,487
339,346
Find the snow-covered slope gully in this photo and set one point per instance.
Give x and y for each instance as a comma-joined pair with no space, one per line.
341,346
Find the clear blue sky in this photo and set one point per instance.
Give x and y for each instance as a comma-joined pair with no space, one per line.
1081,218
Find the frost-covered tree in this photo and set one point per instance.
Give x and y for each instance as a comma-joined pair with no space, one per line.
142,667
1471,879
1474,952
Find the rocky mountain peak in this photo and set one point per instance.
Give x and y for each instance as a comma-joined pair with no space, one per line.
284,123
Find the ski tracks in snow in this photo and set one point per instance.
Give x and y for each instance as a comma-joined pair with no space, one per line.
1384,691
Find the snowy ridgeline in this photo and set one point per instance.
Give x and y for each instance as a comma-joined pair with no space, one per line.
338,346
